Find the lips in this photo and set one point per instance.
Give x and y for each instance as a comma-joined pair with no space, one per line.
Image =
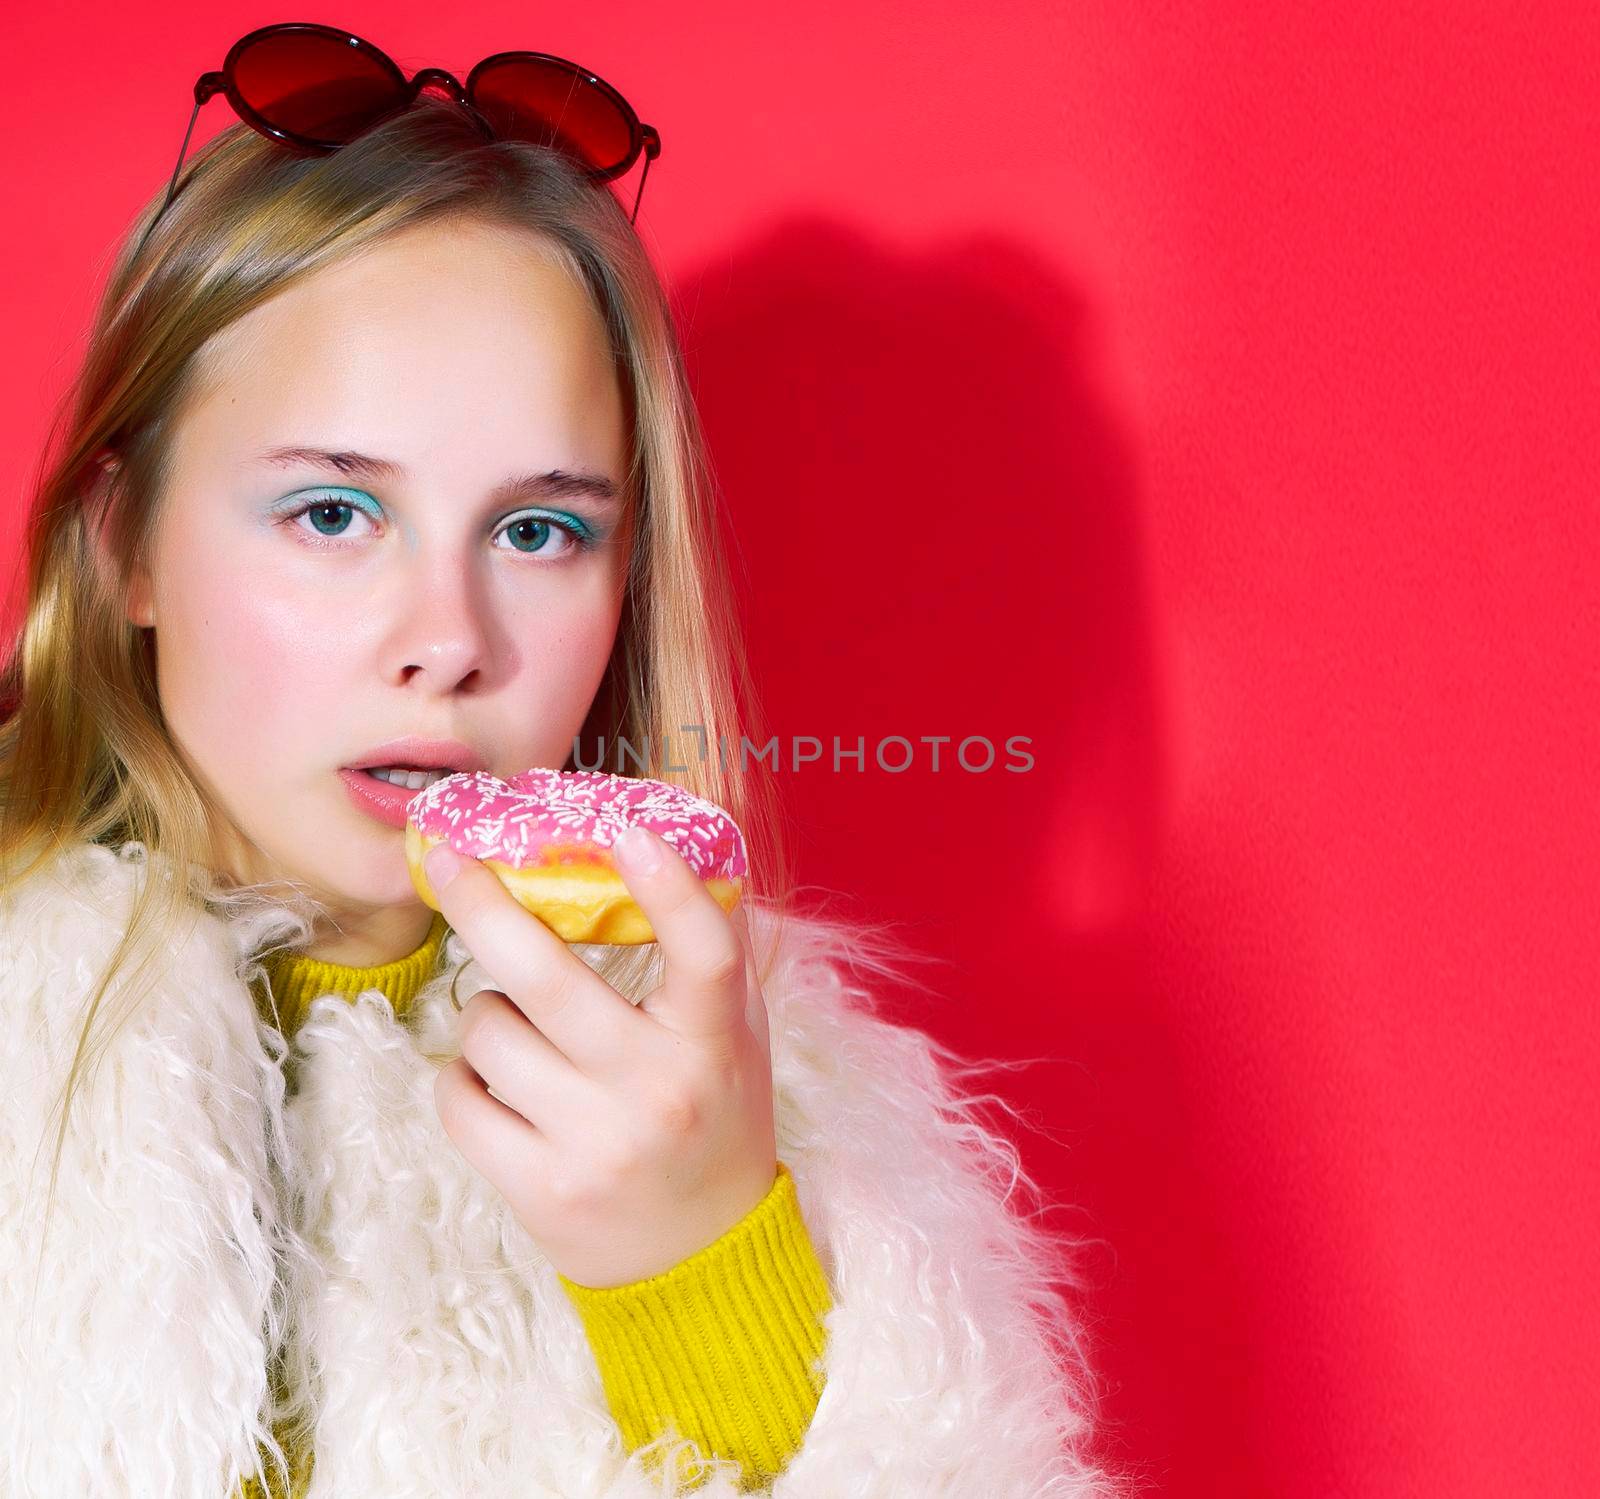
378,799
416,753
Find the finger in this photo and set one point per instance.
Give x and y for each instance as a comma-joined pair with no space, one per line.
740,917
520,1066
702,957
740,920
496,1141
582,1015
755,1008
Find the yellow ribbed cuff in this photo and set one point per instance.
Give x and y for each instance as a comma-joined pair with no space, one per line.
726,1346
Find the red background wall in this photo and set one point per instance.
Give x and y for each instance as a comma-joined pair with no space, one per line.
1208,394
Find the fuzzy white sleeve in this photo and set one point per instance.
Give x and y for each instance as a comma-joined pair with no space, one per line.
131,1350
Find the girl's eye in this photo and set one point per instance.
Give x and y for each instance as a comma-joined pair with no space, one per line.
530,534
326,516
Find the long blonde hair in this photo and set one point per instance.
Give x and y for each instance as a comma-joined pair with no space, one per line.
84,751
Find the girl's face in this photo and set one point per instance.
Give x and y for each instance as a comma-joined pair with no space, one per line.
454,572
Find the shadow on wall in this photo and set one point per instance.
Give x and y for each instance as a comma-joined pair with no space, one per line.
935,516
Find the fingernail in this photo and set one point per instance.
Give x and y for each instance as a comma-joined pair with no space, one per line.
639,851
441,864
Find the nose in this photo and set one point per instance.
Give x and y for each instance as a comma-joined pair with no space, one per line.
442,642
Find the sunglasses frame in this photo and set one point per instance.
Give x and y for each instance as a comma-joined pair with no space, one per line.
642,139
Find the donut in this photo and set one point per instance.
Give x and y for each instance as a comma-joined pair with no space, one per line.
547,835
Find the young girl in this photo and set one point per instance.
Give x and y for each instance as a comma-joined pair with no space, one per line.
385,457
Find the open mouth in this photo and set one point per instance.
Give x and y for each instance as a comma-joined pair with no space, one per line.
385,792
403,776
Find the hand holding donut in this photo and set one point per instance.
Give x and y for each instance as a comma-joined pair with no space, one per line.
630,1136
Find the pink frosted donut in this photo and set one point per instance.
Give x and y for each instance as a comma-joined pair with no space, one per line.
548,834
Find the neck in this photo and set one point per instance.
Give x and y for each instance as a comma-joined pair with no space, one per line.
351,936
381,935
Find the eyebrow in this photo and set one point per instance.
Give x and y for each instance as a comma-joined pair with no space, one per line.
552,484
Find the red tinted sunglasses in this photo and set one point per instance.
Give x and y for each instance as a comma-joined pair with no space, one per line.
315,88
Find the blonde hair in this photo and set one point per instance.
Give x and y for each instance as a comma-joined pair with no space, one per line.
84,751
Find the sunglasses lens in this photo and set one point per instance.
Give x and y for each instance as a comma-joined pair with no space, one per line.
533,100
315,84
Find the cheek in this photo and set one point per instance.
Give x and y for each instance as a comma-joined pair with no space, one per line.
241,674
564,656
574,648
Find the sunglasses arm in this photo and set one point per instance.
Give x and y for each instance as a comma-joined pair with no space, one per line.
205,86
652,149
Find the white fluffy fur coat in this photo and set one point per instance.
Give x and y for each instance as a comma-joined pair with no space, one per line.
209,1219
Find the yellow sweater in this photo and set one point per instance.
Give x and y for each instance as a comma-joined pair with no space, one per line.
724,1346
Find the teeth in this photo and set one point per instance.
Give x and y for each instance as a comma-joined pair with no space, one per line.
412,780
